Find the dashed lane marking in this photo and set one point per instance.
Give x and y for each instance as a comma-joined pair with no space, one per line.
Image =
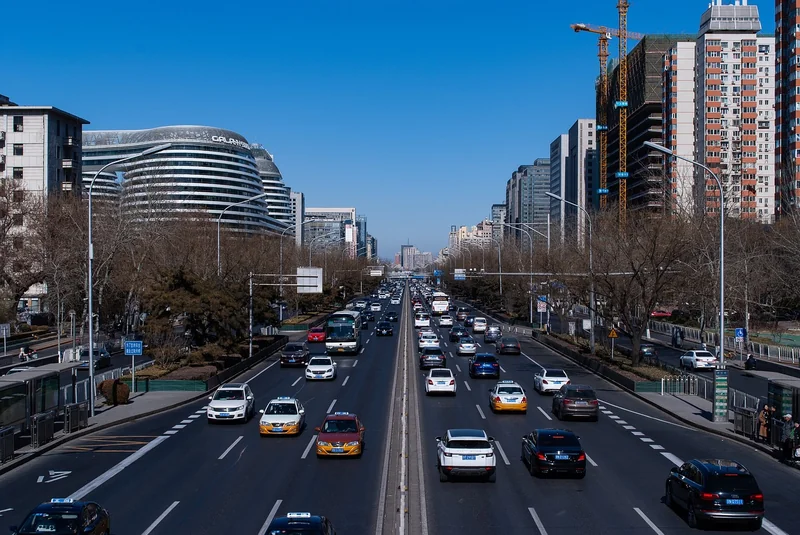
772,528
203,411
530,359
308,448
673,458
458,368
330,407
268,521
483,416
193,416
178,426
608,412
170,432
537,521
502,369
629,427
467,385
297,380
591,461
502,453
186,421
545,413
362,351
161,517
648,521
345,380
613,417
227,451
258,374
355,363
646,440
656,447
637,434
621,422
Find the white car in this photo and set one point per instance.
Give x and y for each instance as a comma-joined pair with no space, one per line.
395,301
549,380
283,416
232,401
361,305
508,396
479,325
422,319
467,346
446,321
375,307
698,360
321,368
440,380
428,341
466,452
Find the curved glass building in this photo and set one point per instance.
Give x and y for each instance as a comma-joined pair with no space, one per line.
278,201
107,186
206,170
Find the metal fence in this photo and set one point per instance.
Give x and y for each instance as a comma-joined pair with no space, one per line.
693,385
6,444
42,428
76,416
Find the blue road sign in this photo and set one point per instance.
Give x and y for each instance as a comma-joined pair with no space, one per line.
740,334
602,191
133,348
437,272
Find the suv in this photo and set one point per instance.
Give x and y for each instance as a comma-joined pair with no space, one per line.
295,354
576,401
715,490
462,313
233,401
466,452
549,451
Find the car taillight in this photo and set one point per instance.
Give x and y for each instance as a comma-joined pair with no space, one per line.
568,382
709,496
430,382
524,399
541,456
582,457
452,381
568,401
594,402
495,365
544,382
757,497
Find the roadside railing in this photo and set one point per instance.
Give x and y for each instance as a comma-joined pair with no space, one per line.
76,416
6,444
42,428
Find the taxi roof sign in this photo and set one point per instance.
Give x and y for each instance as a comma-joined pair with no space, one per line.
613,333
341,414
62,500
284,398
506,382
298,515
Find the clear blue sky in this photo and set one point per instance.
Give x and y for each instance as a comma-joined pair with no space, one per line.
414,112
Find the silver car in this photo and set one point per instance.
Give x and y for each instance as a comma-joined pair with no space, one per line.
467,346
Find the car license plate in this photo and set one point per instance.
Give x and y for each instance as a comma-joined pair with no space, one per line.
340,349
582,403
277,429
224,414
511,400
468,457
562,457
556,382
338,450
291,360
439,382
317,376
734,502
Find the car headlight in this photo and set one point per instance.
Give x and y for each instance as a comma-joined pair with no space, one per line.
240,407
290,424
330,370
354,443
323,443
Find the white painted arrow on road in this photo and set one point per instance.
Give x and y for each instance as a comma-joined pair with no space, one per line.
55,475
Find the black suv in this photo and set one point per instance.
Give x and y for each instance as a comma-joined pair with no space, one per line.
715,490
457,332
391,316
384,328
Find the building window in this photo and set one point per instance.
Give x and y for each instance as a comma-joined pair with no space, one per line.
18,149
18,196
17,173
18,123
16,220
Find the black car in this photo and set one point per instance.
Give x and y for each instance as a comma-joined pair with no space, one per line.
432,357
367,316
457,333
493,334
715,491
64,516
384,328
295,354
102,359
391,316
301,523
469,321
508,345
553,451
484,365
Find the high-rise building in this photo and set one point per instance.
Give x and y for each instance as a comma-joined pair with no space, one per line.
407,253
361,224
398,261
787,101
559,152
515,188
580,167
324,226
498,217
372,247
279,204
298,201
539,200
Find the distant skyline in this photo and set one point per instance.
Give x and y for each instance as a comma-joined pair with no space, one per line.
416,114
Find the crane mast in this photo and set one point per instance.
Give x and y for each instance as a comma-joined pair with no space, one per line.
622,105
602,119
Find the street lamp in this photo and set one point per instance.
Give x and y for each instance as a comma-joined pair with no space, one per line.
499,262
283,234
219,221
592,303
664,150
530,283
146,152
312,240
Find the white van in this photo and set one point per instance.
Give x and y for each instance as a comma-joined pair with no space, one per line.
479,325
422,319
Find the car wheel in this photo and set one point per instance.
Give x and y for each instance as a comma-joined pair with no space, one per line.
580,475
558,413
442,475
691,517
492,477
669,501
755,525
531,467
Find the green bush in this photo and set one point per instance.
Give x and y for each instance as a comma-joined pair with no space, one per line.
205,354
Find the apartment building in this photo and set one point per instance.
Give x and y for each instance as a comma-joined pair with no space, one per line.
559,151
498,217
787,104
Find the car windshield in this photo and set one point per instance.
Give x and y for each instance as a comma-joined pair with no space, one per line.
463,444
555,373
340,426
317,330
581,394
320,362
225,395
340,332
293,348
732,483
441,373
509,390
281,408
51,523
384,325
466,340
569,441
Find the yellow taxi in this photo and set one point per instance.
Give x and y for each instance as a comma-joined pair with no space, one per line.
341,434
283,416
508,396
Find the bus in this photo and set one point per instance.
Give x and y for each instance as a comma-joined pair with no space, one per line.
343,332
440,304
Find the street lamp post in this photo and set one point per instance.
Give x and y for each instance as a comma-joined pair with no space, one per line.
499,262
310,249
90,277
592,302
219,222
280,291
530,282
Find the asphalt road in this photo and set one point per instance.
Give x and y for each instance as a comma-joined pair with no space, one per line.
227,475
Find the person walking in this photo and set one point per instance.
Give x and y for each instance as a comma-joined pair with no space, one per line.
763,425
787,437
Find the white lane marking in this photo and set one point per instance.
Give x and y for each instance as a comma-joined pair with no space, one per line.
530,359
186,421
537,521
483,416
601,407
297,380
40,479
368,340
82,492
637,434
355,363
193,416
268,521
613,416
5,511
227,451
451,354
330,407
629,427
458,368
591,461
647,440
178,426
656,447
345,380
467,385
170,432
673,458
502,453
362,350
161,517
502,369
621,422
205,407
308,448
772,528
608,412
646,416
445,344
648,521
259,373
544,413
201,411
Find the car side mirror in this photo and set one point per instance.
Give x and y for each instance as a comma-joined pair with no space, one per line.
317,429
249,398
210,398
438,439
363,428
261,411
491,439
301,411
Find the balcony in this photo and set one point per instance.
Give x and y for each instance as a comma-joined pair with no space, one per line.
69,163
2,135
71,141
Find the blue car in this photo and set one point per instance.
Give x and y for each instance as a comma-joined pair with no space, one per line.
484,365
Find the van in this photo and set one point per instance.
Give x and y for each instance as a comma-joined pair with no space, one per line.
422,319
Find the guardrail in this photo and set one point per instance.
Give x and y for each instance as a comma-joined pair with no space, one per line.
692,385
76,416
42,428
6,444
745,422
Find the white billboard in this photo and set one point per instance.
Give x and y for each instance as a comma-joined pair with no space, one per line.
376,273
309,280
348,233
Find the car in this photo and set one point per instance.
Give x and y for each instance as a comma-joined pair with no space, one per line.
283,415
698,360
367,317
384,328
231,401
493,333
479,325
457,333
508,396
418,307
20,369
466,346
648,351
294,354
506,345
301,524
462,313
375,307
361,305
466,452
446,321
484,364
316,334
320,367
715,491
102,359
440,380
422,319
428,340
425,330
394,301
553,451
579,401
432,357
391,316
550,380
65,516
341,434
468,321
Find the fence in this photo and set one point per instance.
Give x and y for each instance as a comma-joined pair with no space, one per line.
76,416
6,444
42,428
693,385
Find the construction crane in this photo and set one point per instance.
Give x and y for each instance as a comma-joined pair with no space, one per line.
622,105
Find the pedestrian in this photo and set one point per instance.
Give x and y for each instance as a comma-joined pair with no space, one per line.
704,346
763,425
787,437
22,355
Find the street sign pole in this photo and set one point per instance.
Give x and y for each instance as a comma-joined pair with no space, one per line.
720,394
612,334
133,348
5,328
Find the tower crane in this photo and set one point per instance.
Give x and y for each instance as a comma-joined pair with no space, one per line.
605,35
622,105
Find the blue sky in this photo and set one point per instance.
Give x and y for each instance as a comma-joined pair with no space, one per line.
414,112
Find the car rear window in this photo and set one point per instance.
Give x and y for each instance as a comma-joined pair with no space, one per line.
703,354
559,440
509,341
732,483
485,358
466,340
582,394
556,373
384,325
468,444
440,373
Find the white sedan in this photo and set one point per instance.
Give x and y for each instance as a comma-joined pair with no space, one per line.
549,380
440,380
321,368
698,360
395,301
446,321
428,341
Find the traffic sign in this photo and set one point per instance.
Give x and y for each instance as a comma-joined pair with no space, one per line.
133,348
602,191
5,330
613,333
740,334
541,304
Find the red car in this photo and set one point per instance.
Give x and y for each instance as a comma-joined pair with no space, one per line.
342,433
316,334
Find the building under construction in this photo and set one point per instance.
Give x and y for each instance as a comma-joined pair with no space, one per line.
646,181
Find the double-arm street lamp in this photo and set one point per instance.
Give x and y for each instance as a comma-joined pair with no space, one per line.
146,152
280,272
664,150
592,303
530,254
219,222
320,237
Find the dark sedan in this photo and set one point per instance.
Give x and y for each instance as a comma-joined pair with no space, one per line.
64,516
295,354
457,333
553,451
579,401
391,316
367,316
384,328
469,321
484,365
431,357
508,345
